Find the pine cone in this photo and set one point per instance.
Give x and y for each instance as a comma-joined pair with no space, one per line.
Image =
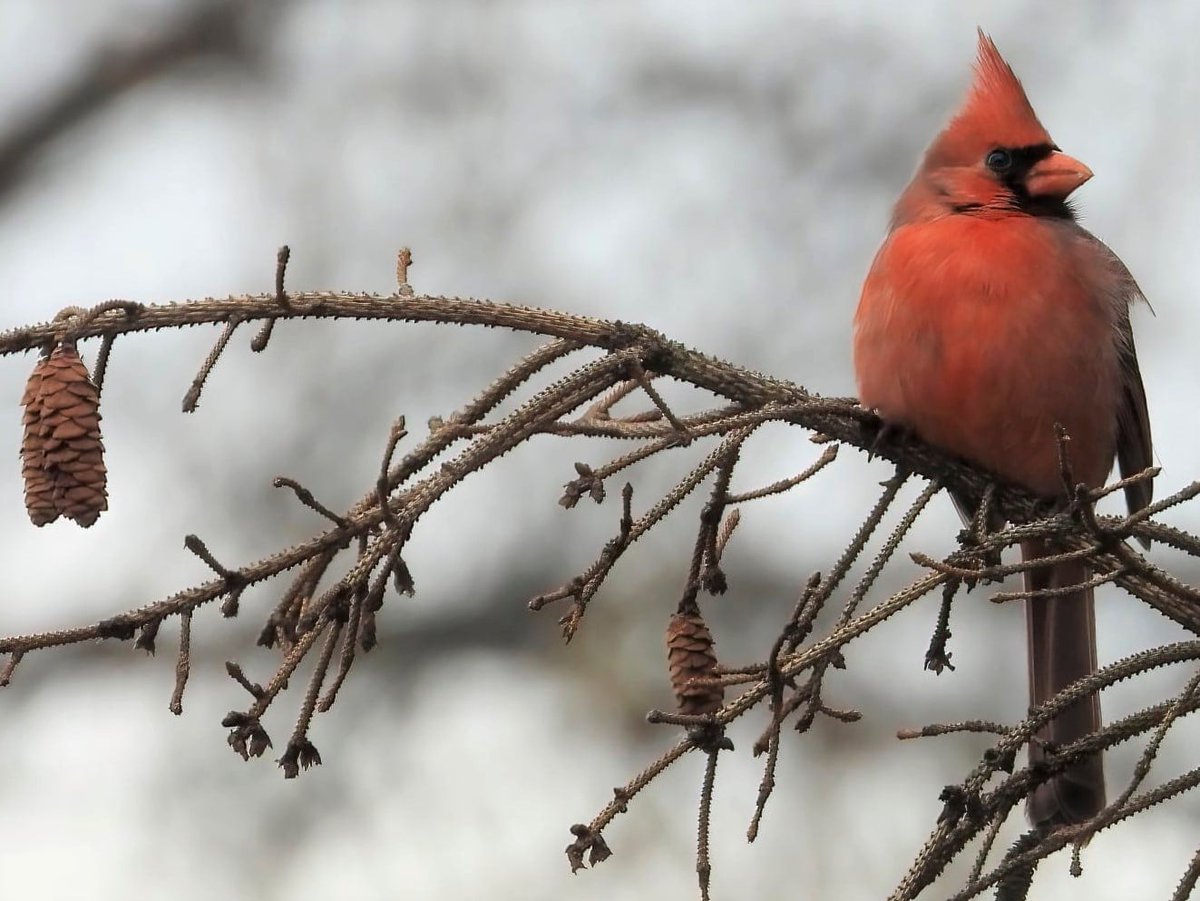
690,656
62,456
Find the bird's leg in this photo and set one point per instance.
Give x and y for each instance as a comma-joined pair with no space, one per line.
886,433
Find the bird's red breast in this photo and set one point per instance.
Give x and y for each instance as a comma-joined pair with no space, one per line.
981,333
989,315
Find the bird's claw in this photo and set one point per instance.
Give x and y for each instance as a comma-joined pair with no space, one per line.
888,433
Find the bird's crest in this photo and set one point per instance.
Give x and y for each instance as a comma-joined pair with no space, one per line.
996,111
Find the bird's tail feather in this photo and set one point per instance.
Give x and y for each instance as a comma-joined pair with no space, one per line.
1062,650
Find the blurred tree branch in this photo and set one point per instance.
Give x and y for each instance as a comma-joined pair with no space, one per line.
215,29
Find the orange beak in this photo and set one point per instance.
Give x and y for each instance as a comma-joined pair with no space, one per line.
1056,176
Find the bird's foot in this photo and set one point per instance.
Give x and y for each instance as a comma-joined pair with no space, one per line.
887,434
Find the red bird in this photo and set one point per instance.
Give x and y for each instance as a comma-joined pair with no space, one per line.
988,316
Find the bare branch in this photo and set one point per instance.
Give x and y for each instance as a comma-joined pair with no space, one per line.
328,616
201,30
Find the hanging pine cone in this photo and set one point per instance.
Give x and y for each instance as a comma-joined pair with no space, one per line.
690,656
62,456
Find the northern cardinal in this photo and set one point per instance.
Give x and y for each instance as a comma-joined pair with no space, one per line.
988,316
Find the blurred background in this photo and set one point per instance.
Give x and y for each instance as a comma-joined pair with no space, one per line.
720,171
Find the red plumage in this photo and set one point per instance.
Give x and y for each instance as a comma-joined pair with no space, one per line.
988,316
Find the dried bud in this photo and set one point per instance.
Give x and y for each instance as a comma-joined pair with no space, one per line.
147,635
247,736
62,456
402,579
690,656
237,741
259,741
591,842
300,753
309,756
588,483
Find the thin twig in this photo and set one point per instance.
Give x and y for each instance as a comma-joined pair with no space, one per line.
703,864
191,400
1001,597
260,341
953,729
644,380
306,497
100,370
184,664
1183,891
403,261
10,667
827,456
397,433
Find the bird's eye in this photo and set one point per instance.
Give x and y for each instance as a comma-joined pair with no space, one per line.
999,160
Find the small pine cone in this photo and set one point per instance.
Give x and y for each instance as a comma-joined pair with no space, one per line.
39,486
690,656
62,456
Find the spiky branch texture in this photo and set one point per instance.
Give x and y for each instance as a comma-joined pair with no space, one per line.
614,363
